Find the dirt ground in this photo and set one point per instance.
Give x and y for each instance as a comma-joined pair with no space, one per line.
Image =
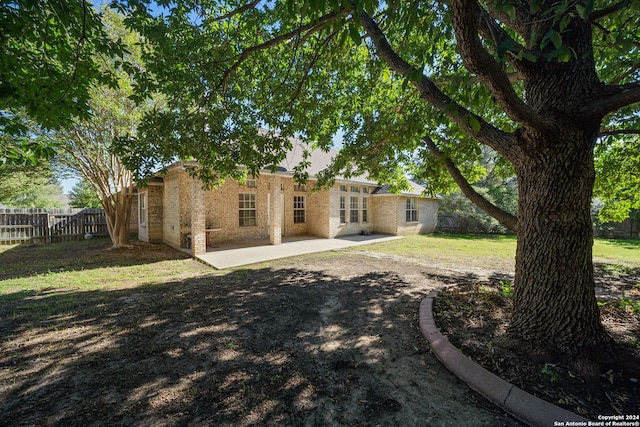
326,339
474,316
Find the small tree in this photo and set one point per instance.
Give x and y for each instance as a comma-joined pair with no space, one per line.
84,196
618,177
33,187
87,145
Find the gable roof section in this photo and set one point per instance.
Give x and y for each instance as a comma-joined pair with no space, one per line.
320,160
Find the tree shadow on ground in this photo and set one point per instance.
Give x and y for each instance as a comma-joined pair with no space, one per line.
251,347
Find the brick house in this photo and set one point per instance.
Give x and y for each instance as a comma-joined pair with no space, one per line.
174,209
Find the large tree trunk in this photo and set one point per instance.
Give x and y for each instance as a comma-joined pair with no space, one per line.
555,310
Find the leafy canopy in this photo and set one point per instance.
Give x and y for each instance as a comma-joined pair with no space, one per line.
618,178
50,58
83,195
311,69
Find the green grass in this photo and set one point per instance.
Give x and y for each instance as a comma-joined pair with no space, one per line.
88,266
492,250
617,251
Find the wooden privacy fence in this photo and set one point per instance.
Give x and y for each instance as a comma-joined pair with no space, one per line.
50,225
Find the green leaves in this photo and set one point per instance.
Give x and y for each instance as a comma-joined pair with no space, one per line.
49,60
474,123
618,177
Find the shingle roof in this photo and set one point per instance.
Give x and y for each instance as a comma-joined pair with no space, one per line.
321,159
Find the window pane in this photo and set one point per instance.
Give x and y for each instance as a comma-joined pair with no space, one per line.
353,212
247,209
365,209
412,212
298,210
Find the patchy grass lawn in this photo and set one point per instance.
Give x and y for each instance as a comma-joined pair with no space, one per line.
87,266
492,251
147,336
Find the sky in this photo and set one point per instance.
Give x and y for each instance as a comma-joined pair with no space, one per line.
67,184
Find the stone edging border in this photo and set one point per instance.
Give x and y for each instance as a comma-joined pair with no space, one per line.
522,405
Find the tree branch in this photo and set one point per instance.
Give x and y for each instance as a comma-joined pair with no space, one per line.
490,29
599,14
489,135
626,74
314,60
310,27
606,31
467,16
237,11
611,132
505,218
612,98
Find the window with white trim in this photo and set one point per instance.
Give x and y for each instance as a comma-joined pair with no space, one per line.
343,188
298,210
247,209
365,209
299,187
142,205
353,210
355,189
251,183
343,210
412,209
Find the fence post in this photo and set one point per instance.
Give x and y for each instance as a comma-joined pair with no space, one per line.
82,221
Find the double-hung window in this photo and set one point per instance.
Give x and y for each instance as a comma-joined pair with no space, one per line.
343,210
365,209
412,209
298,210
353,210
247,209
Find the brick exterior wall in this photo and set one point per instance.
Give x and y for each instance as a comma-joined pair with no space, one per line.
386,212
427,217
347,228
172,223
390,211
150,226
133,220
171,217
318,213
222,211
198,214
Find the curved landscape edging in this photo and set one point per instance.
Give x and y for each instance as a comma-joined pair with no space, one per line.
522,405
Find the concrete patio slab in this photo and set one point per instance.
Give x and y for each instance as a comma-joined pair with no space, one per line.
239,254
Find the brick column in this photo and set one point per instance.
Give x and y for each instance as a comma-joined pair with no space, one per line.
198,225
275,228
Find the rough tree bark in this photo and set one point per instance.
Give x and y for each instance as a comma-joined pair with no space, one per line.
555,310
117,207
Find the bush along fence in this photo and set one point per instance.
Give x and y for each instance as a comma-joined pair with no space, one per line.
50,225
